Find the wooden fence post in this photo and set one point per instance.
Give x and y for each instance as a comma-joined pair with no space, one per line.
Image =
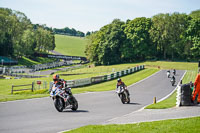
32,86
12,89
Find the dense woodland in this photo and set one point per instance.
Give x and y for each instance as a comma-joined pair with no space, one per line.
19,37
167,36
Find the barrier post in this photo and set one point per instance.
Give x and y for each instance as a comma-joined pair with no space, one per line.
32,86
12,89
154,100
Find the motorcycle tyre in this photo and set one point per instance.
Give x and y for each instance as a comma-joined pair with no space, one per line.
173,83
75,104
122,97
128,100
56,102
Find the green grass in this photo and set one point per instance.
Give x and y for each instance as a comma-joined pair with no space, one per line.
111,85
187,125
37,60
168,103
87,72
6,85
172,65
26,62
69,45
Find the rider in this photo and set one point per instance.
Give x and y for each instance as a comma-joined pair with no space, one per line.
173,78
168,73
174,71
121,84
61,82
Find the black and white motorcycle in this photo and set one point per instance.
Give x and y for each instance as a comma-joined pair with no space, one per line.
123,95
173,80
63,99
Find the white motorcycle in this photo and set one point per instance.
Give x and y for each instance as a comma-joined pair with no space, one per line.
123,95
62,99
168,74
173,81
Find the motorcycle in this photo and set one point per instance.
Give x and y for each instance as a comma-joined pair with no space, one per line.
123,95
62,99
174,72
172,81
168,74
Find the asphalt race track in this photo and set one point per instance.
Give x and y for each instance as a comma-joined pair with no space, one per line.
40,116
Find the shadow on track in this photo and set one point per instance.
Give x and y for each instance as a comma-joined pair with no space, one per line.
134,103
77,111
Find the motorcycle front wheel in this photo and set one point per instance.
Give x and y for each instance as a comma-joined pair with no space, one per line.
59,105
123,99
75,104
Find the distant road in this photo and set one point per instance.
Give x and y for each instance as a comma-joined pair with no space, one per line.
55,52
40,116
48,72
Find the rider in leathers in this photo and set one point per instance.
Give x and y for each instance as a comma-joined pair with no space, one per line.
61,83
121,84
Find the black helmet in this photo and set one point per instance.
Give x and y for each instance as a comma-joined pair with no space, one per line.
119,80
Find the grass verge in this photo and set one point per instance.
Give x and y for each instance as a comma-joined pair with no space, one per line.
37,60
187,125
111,85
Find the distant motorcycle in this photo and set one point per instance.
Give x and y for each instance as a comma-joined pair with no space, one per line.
174,72
173,81
63,100
168,74
123,95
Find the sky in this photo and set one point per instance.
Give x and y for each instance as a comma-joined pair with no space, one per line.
91,15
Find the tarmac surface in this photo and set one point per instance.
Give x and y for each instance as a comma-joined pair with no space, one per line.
148,115
40,116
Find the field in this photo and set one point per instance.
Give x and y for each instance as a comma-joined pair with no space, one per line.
188,125
37,60
68,45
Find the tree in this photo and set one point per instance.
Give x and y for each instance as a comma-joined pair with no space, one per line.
195,14
193,36
105,45
27,44
167,33
138,39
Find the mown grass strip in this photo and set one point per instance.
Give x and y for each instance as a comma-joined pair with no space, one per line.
69,45
167,103
187,125
111,85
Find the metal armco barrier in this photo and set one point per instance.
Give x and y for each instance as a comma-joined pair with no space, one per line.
98,79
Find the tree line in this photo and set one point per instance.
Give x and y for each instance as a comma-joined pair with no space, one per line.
173,36
69,32
19,37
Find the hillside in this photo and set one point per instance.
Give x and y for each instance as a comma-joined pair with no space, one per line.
69,45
